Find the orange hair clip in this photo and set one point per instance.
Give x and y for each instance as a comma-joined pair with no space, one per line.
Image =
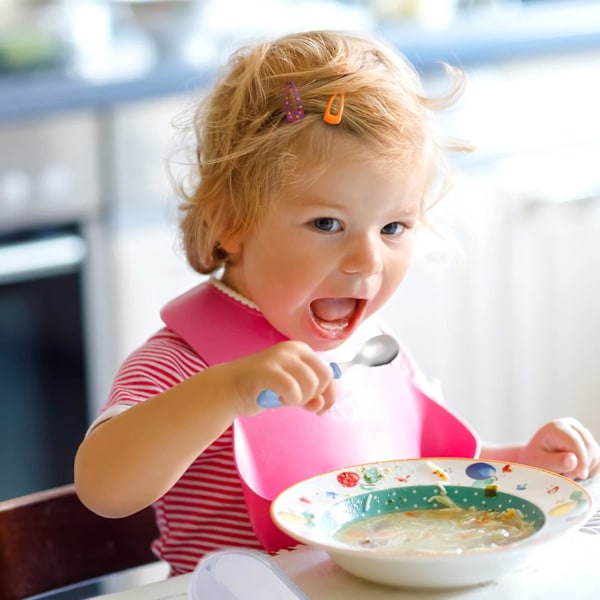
331,117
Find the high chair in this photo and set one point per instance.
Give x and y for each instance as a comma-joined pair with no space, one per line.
49,540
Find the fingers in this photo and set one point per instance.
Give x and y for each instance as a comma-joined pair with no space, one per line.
587,453
564,463
300,377
567,447
322,403
293,371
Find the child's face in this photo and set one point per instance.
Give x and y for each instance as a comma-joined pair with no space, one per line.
331,253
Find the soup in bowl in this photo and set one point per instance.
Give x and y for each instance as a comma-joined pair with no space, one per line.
432,523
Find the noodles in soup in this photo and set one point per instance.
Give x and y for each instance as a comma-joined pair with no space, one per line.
451,530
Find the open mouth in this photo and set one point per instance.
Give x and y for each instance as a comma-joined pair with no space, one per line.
335,315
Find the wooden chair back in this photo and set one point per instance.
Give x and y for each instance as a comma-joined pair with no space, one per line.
49,540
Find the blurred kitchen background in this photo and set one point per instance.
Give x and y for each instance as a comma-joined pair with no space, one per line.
88,239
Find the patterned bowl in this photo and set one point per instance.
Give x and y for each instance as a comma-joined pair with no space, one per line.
313,511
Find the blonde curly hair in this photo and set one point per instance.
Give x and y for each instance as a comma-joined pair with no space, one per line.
246,152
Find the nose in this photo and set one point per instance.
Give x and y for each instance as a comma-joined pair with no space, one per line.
363,255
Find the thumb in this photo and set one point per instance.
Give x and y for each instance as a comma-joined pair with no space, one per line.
565,462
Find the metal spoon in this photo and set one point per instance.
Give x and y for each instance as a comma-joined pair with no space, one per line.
379,350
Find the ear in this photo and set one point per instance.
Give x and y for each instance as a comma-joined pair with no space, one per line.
232,244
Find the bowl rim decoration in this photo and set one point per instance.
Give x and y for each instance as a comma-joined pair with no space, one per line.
303,511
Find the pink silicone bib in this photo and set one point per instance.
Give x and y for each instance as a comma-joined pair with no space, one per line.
379,414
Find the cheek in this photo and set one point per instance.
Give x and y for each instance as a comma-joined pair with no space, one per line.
397,270
290,261
394,280
262,253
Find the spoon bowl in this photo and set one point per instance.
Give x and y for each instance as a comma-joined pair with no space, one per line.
375,352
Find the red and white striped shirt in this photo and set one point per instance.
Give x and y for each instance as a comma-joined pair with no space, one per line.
205,510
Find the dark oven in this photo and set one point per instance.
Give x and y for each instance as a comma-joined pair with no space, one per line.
54,342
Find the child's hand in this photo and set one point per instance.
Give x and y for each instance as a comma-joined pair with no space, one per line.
566,447
292,370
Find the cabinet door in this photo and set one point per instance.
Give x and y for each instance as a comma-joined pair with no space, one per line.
142,151
556,283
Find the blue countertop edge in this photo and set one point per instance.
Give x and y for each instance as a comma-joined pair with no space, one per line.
472,41
37,95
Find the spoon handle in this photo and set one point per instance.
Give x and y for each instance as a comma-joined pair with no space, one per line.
269,399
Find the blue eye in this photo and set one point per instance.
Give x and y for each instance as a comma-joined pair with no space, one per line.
394,228
327,224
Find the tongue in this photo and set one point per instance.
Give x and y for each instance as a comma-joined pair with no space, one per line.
333,309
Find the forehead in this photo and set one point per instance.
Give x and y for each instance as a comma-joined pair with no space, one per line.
351,167
324,146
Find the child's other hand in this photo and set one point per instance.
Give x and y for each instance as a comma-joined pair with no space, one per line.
292,370
566,447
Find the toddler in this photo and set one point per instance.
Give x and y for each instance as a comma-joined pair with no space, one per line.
316,164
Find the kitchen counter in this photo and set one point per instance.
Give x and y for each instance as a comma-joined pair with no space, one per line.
481,37
42,93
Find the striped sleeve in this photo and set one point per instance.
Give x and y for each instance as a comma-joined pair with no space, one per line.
205,510
161,363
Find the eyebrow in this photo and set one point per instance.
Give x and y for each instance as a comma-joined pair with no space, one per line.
317,203
320,203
